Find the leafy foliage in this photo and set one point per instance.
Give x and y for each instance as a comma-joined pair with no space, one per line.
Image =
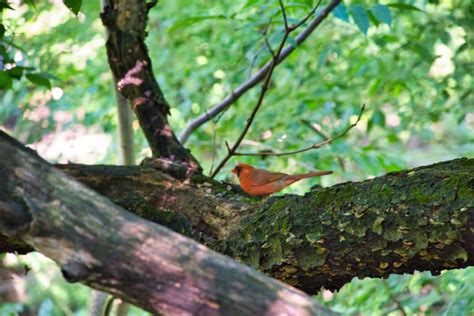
450,294
73,5
409,62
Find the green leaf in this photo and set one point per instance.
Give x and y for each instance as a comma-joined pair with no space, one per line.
16,72
73,5
292,21
375,86
31,4
377,119
372,18
313,237
5,80
252,3
323,56
360,17
382,13
194,19
39,79
4,55
340,12
424,52
305,5
5,5
404,6
445,37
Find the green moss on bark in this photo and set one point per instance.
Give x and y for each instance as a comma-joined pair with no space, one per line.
397,223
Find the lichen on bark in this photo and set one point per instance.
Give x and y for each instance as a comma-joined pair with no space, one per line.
417,219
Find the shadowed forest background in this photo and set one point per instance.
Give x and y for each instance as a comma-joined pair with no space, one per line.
409,62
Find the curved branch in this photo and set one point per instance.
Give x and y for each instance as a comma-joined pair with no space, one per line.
255,79
99,244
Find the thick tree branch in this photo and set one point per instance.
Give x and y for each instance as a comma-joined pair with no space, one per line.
413,220
99,244
419,219
257,78
131,66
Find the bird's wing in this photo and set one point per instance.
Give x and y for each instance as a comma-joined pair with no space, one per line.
261,177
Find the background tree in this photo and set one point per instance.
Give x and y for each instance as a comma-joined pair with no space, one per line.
308,88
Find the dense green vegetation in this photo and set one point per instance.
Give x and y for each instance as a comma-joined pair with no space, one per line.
409,62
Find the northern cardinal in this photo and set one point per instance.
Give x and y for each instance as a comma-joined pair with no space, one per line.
258,182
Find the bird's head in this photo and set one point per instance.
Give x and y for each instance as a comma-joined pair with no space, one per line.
239,167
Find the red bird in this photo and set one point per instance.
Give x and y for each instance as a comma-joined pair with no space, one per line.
259,182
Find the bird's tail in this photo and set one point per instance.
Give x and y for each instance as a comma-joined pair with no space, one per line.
296,177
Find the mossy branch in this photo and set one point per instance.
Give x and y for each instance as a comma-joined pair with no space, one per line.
419,219
97,243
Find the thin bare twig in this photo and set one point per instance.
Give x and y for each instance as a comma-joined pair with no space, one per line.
232,150
261,49
324,137
285,18
297,25
253,61
314,146
314,129
269,47
258,76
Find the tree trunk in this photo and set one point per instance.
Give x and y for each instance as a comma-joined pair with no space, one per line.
128,58
101,245
419,219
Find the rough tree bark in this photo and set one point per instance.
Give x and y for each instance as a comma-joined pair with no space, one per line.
419,219
128,58
101,245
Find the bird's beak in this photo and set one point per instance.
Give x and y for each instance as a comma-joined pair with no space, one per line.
234,171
